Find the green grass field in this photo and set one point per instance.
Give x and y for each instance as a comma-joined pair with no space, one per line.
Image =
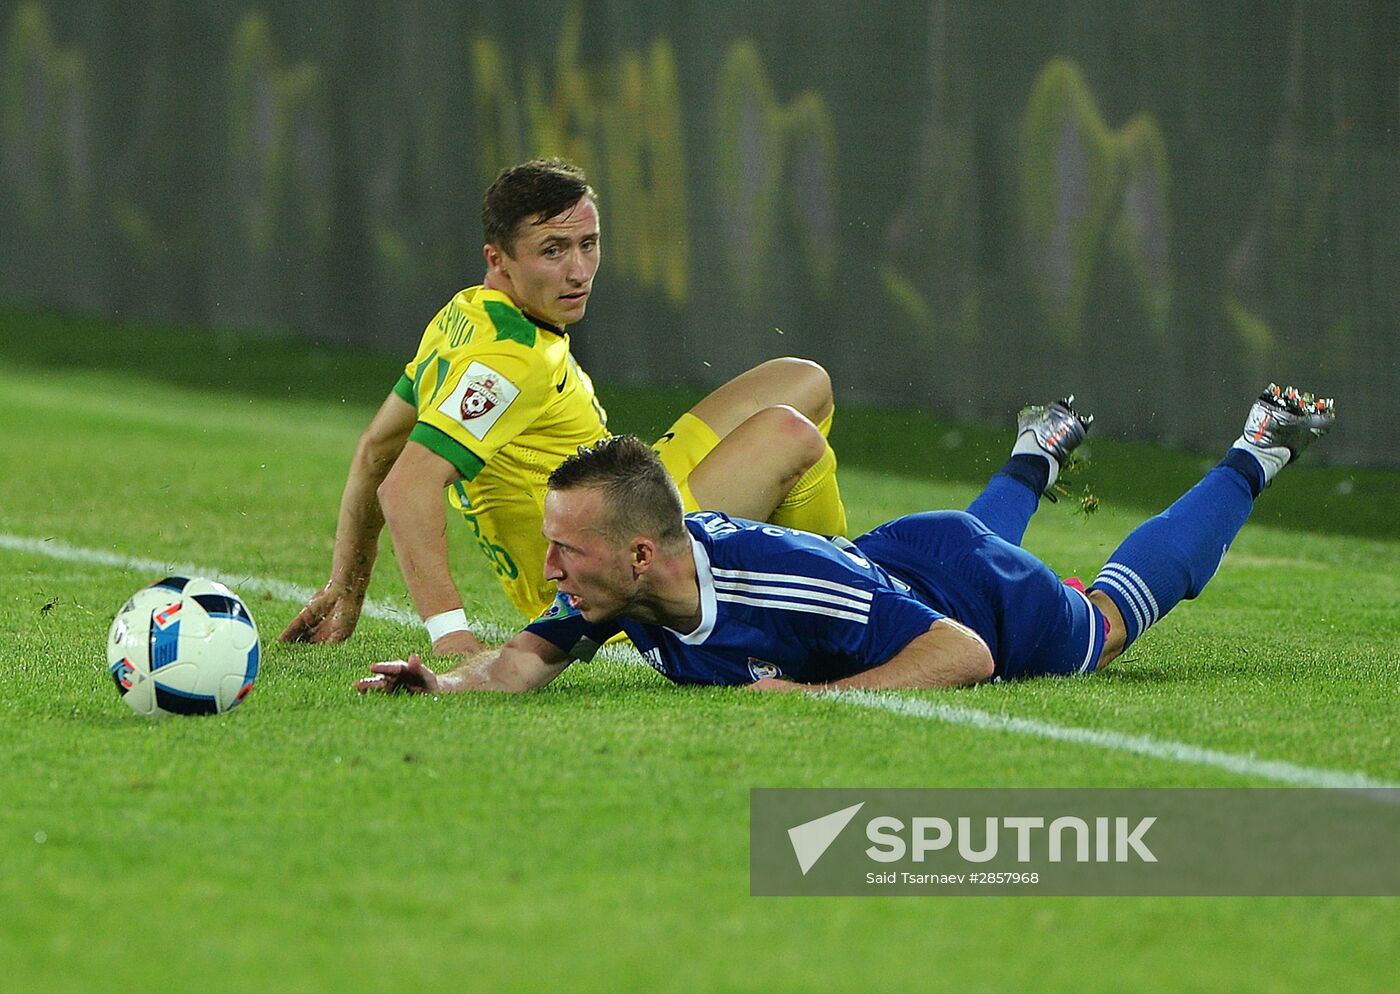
593,836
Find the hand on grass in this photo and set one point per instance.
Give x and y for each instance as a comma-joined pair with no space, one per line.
329,616
391,677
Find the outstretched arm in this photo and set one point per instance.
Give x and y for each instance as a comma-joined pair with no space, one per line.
524,663
332,612
947,655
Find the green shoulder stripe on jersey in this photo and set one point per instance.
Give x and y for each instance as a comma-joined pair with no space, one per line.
511,324
404,388
468,463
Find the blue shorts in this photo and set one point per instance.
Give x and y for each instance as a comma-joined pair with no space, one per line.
1034,624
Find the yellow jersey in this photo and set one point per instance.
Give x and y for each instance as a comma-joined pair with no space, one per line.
502,399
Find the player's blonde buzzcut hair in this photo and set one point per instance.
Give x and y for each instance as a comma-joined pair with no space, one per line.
639,495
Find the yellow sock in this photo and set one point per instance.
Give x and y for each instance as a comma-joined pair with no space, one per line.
814,503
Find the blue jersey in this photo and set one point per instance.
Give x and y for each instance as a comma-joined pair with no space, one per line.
782,603
773,602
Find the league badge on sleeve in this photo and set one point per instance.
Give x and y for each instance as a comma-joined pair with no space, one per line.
481,396
479,400
759,669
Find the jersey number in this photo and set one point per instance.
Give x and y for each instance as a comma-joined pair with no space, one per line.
496,555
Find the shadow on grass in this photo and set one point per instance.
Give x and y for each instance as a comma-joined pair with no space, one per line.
1328,499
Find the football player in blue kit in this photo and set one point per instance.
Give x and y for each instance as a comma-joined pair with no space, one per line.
938,599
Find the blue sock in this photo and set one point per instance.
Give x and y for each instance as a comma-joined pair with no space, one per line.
1011,496
1169,558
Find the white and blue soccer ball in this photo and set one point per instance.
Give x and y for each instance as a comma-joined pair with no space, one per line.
183,646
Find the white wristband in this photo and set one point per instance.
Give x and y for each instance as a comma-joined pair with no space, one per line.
446,623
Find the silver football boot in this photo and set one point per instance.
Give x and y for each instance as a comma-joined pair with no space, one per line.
1284,417
1057,429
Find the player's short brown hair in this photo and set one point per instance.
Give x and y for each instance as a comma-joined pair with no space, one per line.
533,191
640,496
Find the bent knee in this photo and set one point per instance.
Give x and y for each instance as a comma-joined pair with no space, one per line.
807,385
792,434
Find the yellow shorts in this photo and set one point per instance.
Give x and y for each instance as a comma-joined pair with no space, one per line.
687,442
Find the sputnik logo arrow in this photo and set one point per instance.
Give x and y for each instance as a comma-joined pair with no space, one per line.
813,838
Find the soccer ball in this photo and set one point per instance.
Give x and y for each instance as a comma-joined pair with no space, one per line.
183,646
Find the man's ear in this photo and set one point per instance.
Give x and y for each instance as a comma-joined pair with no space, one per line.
495,257
643,555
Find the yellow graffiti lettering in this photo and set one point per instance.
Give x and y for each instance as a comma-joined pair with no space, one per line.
1085,189
774,159
621,124
43,120
277,140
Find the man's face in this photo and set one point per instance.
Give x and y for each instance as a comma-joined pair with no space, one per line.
596,576
549,270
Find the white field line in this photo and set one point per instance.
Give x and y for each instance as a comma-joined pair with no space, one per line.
152,569
1246,765
1142,745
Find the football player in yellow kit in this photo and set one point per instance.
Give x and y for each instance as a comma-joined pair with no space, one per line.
494,401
